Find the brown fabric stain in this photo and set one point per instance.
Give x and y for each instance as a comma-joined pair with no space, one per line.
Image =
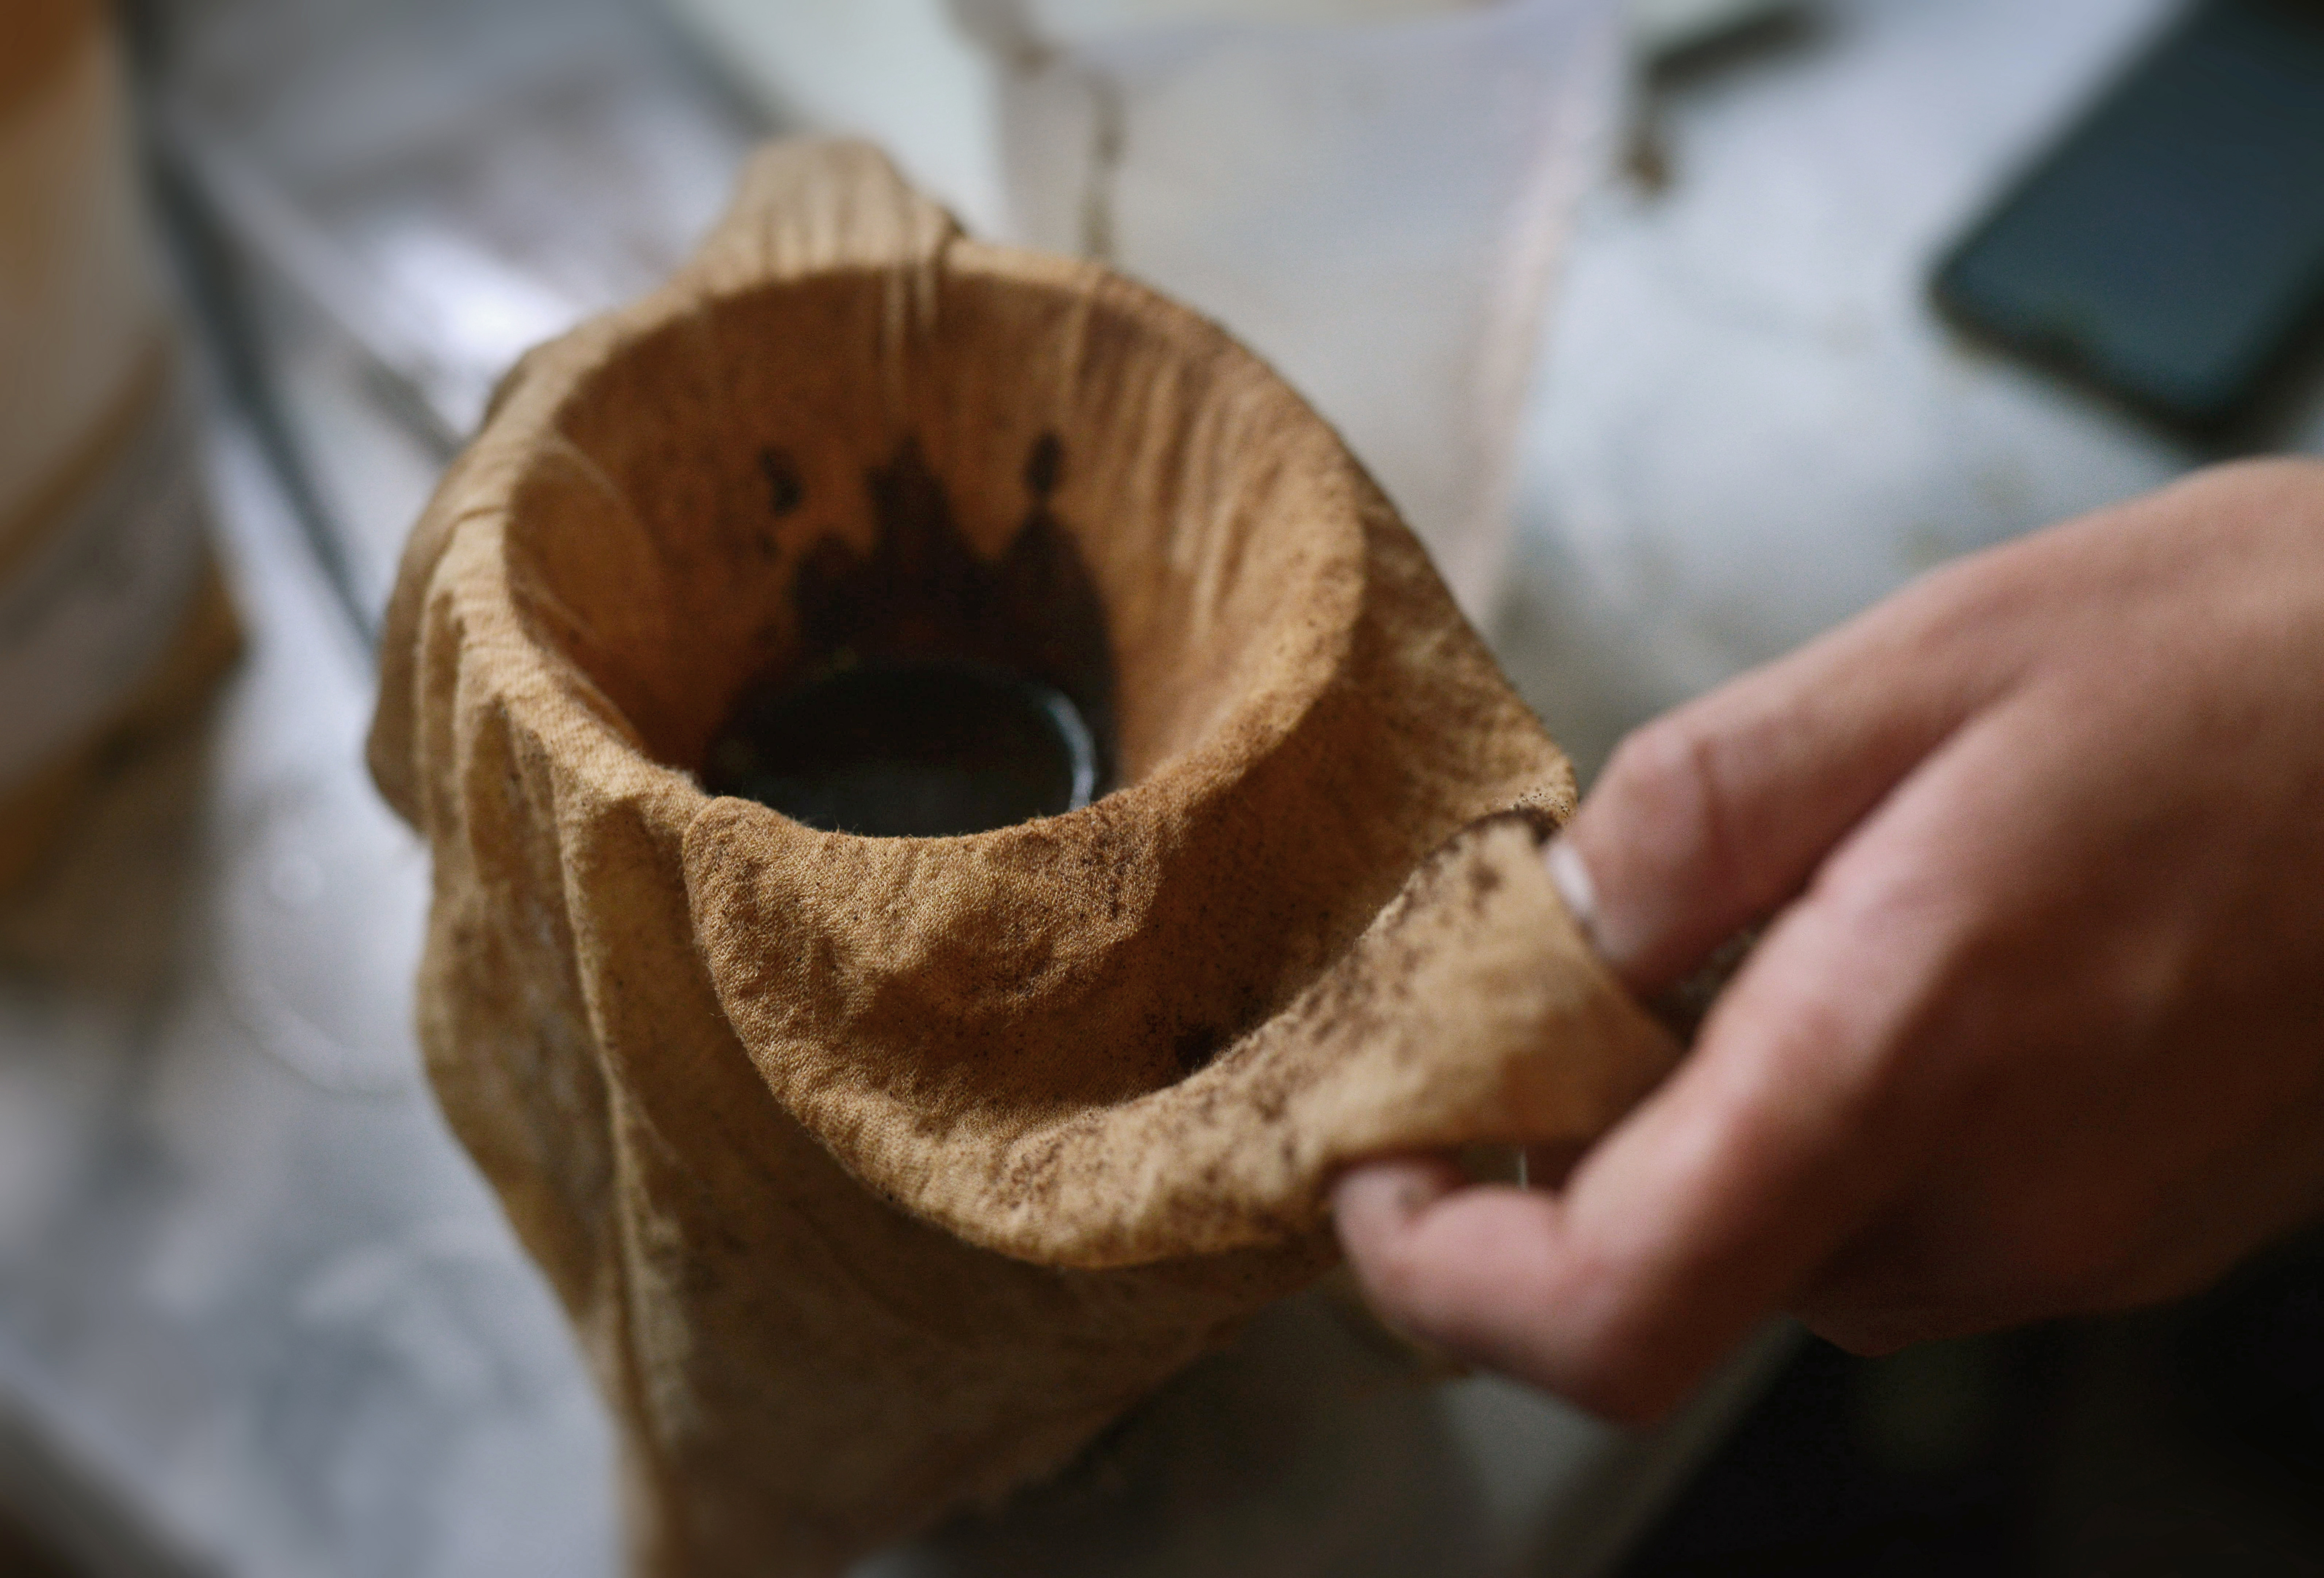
923,591
879,1175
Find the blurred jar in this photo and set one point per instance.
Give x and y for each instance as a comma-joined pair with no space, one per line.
112,615
1372,194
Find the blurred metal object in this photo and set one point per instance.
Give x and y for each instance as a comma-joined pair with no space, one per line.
397,200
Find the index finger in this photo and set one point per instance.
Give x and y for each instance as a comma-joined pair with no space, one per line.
1714,813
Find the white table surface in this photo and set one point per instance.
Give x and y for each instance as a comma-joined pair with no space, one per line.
1750,424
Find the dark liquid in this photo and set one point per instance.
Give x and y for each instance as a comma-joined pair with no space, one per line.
907,751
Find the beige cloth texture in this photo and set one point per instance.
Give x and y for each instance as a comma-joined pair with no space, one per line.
879,1174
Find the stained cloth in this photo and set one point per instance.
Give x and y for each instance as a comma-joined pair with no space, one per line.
879,1174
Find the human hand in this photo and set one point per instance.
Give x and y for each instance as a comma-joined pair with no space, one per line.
2036,1026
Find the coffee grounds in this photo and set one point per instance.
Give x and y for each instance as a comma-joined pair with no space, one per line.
907,751
923,595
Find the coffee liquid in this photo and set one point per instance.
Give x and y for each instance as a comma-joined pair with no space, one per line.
922,749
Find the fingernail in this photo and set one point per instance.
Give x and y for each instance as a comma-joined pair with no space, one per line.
1403,1187
1570,875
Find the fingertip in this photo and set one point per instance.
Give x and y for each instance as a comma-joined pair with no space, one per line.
1376,1200
1379,1209
1488,1275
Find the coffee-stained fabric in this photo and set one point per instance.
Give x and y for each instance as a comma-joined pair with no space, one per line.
877,1175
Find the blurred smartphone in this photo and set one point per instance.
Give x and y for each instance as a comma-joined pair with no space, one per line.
2170,250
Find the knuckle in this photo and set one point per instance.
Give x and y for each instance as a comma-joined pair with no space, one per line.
1901,889
1665,775
1919,971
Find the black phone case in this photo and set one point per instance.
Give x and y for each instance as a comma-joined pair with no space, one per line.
2169,250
